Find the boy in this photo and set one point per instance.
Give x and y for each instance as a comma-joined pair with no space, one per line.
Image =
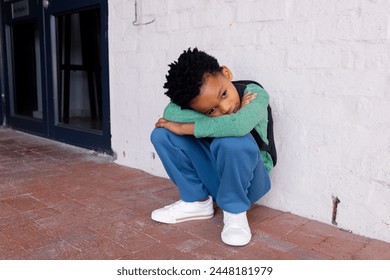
205,143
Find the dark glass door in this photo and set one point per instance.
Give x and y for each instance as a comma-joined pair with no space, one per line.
24,84
2,95
57,62
79,72
2,103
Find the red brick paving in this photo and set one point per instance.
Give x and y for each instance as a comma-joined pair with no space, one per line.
62,202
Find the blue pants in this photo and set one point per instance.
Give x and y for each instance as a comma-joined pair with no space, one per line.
229,169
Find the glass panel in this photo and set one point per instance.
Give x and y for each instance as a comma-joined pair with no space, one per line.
79,94
26,70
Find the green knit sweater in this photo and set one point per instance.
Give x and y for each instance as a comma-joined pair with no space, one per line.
252,116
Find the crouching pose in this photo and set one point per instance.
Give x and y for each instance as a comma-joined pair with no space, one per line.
205,143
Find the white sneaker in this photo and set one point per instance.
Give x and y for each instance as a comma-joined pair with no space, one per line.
182,211
236,231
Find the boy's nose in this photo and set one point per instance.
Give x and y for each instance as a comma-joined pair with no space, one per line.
225,109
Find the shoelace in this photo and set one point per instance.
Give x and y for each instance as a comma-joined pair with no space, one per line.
234,218
178,203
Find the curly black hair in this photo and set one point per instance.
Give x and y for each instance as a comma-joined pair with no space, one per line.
187,74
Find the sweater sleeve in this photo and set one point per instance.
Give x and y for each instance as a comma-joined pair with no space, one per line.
238,124
174,113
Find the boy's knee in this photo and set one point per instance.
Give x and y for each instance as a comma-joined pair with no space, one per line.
158,135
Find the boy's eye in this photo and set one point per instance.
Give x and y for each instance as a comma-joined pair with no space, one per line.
224,94
211,111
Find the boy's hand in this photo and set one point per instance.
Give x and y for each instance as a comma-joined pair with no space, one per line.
175,127
247,98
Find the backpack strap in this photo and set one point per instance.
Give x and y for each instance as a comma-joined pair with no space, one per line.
270,148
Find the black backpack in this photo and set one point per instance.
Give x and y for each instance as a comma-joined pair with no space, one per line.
270,148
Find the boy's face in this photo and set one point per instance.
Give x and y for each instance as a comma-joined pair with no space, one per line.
218,96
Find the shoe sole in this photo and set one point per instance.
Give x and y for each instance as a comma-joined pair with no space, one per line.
183,219
198,217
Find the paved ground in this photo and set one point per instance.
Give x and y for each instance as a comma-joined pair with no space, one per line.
62,202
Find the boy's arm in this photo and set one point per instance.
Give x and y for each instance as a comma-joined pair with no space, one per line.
174,113
194,123
178,128
238,124
179,121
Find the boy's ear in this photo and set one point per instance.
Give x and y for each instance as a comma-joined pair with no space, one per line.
227,73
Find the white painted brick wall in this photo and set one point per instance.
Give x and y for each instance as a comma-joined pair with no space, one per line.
326,65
